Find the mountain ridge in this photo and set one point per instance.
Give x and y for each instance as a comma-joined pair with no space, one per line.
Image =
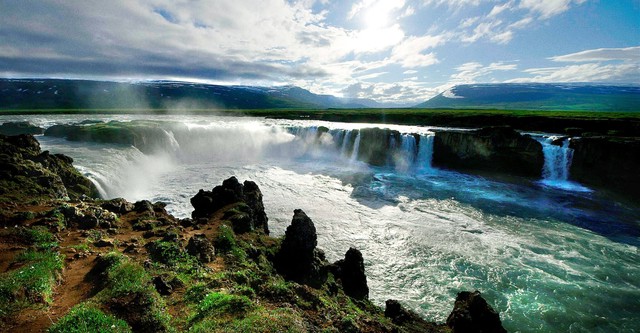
539,96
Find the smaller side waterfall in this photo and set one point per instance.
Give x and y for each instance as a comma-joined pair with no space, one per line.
557,159
356,148
557,163
425,152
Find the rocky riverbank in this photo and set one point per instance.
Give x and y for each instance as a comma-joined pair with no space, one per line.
72,263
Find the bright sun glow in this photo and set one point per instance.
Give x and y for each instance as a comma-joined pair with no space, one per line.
378,15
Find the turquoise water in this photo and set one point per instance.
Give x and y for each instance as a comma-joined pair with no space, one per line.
548,258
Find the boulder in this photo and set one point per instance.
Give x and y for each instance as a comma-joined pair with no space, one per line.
408,320
206,203
351,273
499,150
253,199
201,248
298,259
472,314
118,206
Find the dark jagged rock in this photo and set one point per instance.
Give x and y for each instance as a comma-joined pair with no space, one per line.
118,206
200,247
350,271
491,149
162,285
298,259
20,127
26,173
143,206
253,198
407,320
472,314
206,203
609,163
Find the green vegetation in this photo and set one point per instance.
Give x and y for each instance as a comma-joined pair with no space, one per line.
84,318
31,283
621,123
283,320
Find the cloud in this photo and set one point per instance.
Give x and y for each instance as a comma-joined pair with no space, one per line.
410,54
470,72
549,8
603,54
619,65
621,73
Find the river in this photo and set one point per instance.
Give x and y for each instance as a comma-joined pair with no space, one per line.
549,255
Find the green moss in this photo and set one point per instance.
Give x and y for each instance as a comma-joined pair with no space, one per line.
226,239
127,277
31,283
220,304
83,318
260,321
38,236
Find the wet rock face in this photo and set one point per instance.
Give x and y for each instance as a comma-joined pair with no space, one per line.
201,248
298,259
610,163
350,271
206,203
408,320
472,314
492,149
28,173
20,127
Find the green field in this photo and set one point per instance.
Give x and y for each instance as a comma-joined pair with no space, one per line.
610,123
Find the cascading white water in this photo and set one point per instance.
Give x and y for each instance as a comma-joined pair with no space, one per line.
531,250
356,148
557,163
557,159
425,152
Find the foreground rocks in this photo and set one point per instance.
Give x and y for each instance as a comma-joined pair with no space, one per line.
251,213
472,314
27,173
134,267
491,149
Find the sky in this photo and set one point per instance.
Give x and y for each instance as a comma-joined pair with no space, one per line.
392,51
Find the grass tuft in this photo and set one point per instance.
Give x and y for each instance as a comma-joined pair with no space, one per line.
83,318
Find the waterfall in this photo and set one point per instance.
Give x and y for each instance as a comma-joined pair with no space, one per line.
345,142
557,160
409,148
425,152
356,148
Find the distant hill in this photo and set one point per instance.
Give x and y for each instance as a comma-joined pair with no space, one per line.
538,96
86,94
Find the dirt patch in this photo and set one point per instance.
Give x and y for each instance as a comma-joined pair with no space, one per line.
73,290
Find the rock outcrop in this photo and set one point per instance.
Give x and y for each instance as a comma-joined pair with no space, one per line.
298,258
408,320
350,271
201,248
472,314
491,149
25,171
20,127
609,163
206,203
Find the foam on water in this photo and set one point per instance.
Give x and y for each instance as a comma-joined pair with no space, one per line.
548,260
